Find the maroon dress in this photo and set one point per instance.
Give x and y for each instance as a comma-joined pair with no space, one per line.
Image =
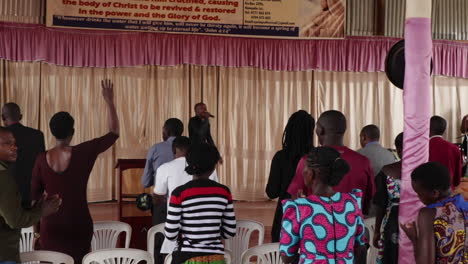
70,230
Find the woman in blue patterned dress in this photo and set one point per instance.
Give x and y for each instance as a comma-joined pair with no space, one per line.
327,226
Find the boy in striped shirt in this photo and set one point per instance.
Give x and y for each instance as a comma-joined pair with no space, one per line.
200,212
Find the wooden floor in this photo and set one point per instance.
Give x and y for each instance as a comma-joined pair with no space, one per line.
262,212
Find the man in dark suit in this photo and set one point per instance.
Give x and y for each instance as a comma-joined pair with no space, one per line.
30,143
199,126
444,152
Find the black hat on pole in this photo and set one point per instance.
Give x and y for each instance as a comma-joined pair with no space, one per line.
395,64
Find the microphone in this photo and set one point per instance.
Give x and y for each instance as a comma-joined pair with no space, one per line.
210,115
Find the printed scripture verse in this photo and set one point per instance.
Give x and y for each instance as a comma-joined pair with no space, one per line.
234,17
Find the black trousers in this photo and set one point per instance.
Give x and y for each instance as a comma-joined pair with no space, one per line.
159,216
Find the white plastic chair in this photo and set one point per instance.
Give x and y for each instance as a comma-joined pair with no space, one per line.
240,243
106,234
168,259
372,252
27,239
45,256
227,257
118,256
266,254
150,237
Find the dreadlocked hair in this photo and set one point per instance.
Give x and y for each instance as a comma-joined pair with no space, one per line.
298,133
332,168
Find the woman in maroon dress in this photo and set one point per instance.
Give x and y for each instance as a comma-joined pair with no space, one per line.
65,170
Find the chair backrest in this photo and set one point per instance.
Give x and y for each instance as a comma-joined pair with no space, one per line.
240,243
266,254
168,259
372,252
46,256
27,239
118,256
106,234
150,237
227,257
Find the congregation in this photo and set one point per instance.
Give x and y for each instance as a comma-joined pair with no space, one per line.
325,191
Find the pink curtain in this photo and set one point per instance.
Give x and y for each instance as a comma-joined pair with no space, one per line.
106,49
88,48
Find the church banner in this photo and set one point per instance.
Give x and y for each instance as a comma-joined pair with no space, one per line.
258,18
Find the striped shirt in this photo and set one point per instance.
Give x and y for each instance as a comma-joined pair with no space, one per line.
200,214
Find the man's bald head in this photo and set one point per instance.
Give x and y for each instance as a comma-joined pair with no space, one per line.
330,128
11,113
333,122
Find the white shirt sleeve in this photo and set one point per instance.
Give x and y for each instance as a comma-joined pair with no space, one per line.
160,180
214,176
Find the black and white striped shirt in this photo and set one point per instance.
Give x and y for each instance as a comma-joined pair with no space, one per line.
200,214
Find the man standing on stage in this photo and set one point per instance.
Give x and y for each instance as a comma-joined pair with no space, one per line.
199,126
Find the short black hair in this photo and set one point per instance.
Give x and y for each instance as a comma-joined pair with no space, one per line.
197,105
62,125
432,176
201,158
298,134
174,127
399,141
334,122
438,125
330,164
12,111
371,131
181,142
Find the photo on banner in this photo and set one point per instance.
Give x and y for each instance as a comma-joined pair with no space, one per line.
257,18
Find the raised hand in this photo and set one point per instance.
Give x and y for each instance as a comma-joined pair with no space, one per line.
107,90
108,94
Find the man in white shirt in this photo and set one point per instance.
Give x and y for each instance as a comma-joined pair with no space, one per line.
171,175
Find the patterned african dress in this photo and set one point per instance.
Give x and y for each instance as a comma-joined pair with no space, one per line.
450,230
323,229
387,196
